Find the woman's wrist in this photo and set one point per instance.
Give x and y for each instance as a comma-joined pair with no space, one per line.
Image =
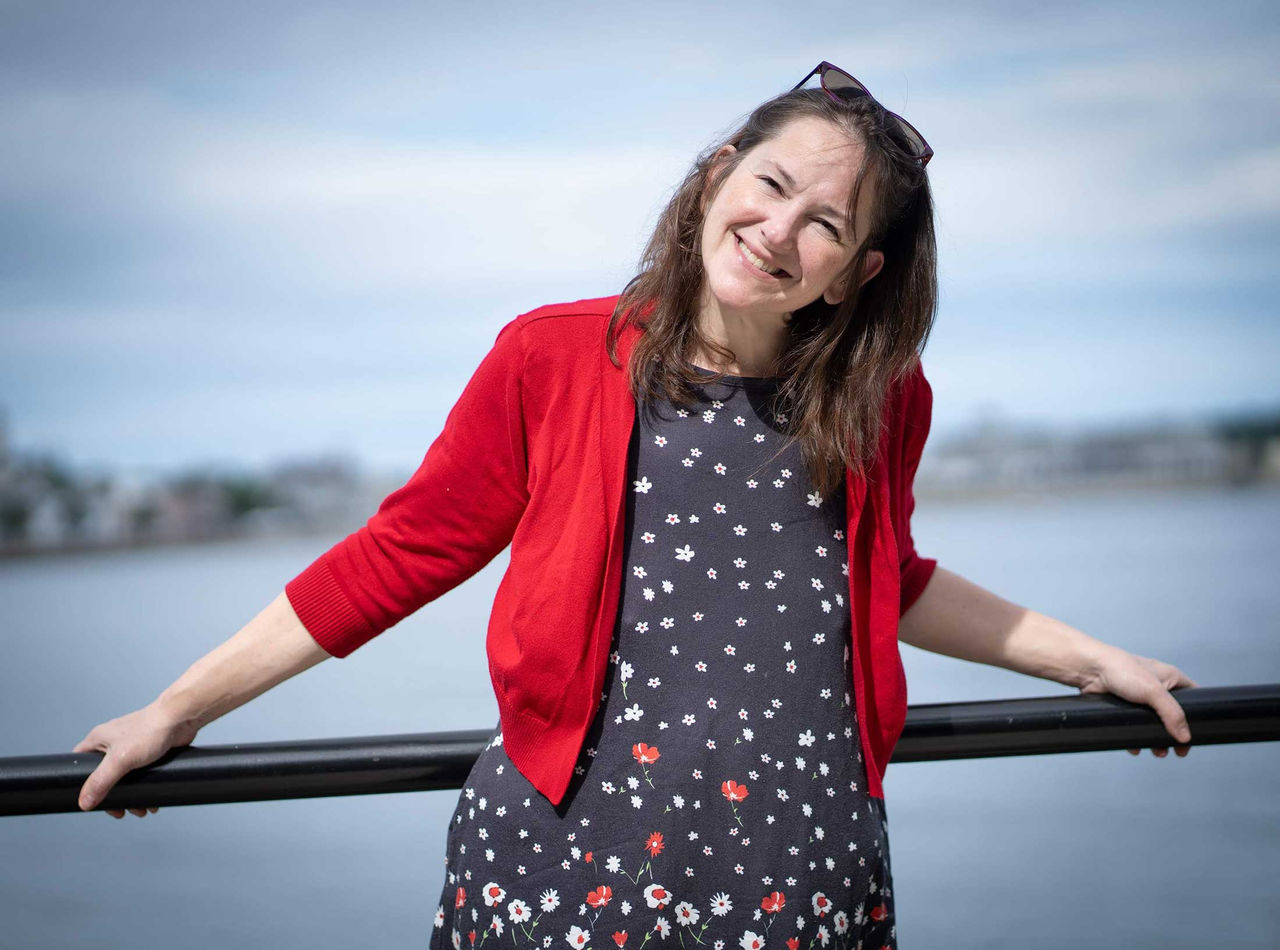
1047,648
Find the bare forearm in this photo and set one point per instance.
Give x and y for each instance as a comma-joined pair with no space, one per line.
956,617
268,650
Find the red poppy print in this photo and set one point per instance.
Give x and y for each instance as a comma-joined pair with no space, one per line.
600,896
733,791
774,902
620,937
645,754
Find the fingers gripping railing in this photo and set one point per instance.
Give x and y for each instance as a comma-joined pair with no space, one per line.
373,765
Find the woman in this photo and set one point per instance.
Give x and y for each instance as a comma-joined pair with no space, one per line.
706,487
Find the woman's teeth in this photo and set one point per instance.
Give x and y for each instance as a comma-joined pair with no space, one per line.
757,262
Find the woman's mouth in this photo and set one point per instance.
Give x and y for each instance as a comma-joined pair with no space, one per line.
757,263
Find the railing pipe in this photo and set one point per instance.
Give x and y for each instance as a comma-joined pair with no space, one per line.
376,765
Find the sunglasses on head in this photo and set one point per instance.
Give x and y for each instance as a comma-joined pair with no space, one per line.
840,86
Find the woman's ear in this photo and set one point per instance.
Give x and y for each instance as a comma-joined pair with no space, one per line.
871,265
714,171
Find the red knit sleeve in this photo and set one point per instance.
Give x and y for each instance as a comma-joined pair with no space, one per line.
914,419
453,516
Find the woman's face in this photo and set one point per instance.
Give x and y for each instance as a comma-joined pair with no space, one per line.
775,238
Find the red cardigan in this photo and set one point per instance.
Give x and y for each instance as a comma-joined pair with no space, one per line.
534,454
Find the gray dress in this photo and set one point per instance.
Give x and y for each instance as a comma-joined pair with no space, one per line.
720,798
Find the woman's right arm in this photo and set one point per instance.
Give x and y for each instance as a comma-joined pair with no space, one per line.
268,650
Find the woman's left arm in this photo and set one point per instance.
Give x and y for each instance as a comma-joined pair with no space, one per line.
956,617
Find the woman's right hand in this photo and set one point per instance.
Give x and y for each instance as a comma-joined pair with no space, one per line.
129,742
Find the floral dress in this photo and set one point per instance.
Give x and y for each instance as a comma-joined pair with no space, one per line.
720,797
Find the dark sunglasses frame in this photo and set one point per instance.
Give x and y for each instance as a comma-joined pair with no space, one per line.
850,85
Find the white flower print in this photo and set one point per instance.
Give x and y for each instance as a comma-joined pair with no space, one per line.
686,914
660,440
633,712
739,421
815,499
697,615
782,608
826,606
667,623
820,551
636,801
739,530
759,437
673,518
711,573
779,483
739,562
741,621
518,910
656,896
648,537
693,519
775,525
613,863
643,485
751,941
720,904
685,553
648,593
696,453
719,468
625,670
687,462
791,666
642,626
819,637
639,571
493,894
708,416
662,927
607,788
752,483
779,575
747,734
817,584
807,738
668,587
577,937
689,719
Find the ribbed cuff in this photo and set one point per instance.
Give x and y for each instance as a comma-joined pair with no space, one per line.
914,580
325,611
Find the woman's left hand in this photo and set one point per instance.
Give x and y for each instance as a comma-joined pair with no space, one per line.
1141,679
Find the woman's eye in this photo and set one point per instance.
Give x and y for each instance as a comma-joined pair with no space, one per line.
771,183
835,233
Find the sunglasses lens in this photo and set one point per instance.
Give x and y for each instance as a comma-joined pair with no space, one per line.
914,143
839,81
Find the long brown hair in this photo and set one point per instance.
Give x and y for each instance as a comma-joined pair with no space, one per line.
838,361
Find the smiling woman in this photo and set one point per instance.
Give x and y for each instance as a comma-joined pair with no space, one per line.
706,486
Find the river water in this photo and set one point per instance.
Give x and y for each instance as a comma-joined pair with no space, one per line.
1093,849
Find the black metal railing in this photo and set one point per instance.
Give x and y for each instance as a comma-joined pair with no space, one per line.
375,765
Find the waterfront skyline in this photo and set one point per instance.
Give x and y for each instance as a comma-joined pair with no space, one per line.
243,233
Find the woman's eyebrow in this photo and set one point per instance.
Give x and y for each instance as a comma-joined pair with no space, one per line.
791,183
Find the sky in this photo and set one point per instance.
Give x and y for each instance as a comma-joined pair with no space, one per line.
237,233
